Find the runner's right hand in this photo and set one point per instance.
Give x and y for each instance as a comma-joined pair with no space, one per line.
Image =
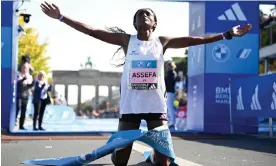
50,10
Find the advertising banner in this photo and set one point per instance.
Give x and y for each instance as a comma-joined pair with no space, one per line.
217,105
7,80
197,18
254,96
195,113
236,56
222,16
196,60
219,62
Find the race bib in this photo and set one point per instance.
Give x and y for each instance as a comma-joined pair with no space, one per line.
143,75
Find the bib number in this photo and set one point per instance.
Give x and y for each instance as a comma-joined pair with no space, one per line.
143,75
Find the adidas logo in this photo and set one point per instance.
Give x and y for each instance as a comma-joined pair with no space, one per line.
244,53
152,86
233,14
239,100
255,104
273,103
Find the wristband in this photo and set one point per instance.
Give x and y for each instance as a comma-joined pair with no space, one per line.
223,36
60,18
227,35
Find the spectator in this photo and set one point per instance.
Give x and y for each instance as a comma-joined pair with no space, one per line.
24,84
170,81
26,59
181,117
41,99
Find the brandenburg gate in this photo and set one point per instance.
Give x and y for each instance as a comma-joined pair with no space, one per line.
90,77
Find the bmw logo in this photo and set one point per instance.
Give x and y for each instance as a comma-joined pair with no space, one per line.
140,64
221,53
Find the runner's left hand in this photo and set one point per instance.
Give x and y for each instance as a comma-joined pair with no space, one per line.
238,32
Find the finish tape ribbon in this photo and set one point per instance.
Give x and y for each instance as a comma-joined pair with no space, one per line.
158,138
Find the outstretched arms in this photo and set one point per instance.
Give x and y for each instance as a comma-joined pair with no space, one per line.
112,38
181,42
53,11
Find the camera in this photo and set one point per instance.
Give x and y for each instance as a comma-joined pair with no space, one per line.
26,17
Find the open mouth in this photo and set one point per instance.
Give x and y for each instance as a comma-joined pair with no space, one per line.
145,19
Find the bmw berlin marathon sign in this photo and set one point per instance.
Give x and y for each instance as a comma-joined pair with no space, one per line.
222,95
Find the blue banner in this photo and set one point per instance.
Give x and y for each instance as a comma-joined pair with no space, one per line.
6,47
195,114
221,16
209,105
6,99
6,13
211,65
217,105
193,1
8,72
237,56
196,60
158,138
197,18
254,96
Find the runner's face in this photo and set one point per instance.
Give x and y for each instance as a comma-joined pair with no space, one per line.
144,19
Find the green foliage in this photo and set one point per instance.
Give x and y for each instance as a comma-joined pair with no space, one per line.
265,41
181,63
29,45
86,108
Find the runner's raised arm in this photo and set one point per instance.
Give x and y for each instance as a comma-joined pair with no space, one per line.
53,11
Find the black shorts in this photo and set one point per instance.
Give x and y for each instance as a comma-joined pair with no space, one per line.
137,118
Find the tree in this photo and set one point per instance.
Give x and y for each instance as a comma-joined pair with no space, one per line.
181,64
29,45
265,37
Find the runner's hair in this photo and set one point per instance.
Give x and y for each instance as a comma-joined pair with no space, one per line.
120,49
